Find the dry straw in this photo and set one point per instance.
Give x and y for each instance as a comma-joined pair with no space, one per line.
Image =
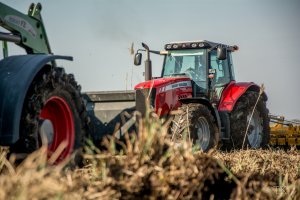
147,165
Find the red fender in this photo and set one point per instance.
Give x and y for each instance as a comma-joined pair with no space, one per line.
232,93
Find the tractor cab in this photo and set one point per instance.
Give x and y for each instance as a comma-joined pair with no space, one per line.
207,64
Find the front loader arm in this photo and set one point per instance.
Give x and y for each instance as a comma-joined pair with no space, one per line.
27,31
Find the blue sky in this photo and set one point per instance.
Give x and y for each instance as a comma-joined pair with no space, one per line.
98,34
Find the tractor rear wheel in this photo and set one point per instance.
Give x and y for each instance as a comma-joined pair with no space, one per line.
258,131
195,122
53,112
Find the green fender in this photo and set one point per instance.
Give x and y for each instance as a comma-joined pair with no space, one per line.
16,76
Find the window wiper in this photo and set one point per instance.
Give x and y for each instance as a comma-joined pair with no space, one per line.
177,74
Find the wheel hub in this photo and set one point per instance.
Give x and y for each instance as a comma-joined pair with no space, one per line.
203,133
46,131
58,125
255,130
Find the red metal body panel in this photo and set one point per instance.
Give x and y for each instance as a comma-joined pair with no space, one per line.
232,93
154,83
168,92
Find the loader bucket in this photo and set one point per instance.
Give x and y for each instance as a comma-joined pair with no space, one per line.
108,111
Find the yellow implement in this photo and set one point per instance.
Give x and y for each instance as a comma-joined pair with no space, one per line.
284,132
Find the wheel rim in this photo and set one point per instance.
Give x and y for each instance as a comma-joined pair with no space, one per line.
203,133
255,129
58,112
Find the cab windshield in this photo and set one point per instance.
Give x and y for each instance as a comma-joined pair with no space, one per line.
190,63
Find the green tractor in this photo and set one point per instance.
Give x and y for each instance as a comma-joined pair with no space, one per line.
39,102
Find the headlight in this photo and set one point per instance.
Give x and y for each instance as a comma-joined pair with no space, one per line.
201,45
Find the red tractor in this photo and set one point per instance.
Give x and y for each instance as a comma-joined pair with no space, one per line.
198,79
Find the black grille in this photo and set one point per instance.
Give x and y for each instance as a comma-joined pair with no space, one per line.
141,96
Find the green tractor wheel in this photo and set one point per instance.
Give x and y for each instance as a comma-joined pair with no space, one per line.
53,114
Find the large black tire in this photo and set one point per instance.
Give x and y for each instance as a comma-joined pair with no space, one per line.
259,130
195,121
54,85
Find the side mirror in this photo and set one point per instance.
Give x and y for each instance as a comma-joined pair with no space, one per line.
137,59
221,53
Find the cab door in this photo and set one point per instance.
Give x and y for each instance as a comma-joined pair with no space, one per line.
223,74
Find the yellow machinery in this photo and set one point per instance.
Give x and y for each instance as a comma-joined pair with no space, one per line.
284,132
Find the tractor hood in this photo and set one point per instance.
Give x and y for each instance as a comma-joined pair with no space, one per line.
172,82
164,93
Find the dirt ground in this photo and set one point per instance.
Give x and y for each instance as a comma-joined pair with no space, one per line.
151,167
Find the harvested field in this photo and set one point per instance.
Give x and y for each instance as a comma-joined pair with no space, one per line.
151,167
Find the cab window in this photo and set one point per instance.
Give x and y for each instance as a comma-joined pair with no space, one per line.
222,72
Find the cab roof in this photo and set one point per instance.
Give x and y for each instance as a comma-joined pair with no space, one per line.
196,44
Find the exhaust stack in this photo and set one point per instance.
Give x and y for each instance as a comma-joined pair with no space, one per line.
148,64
